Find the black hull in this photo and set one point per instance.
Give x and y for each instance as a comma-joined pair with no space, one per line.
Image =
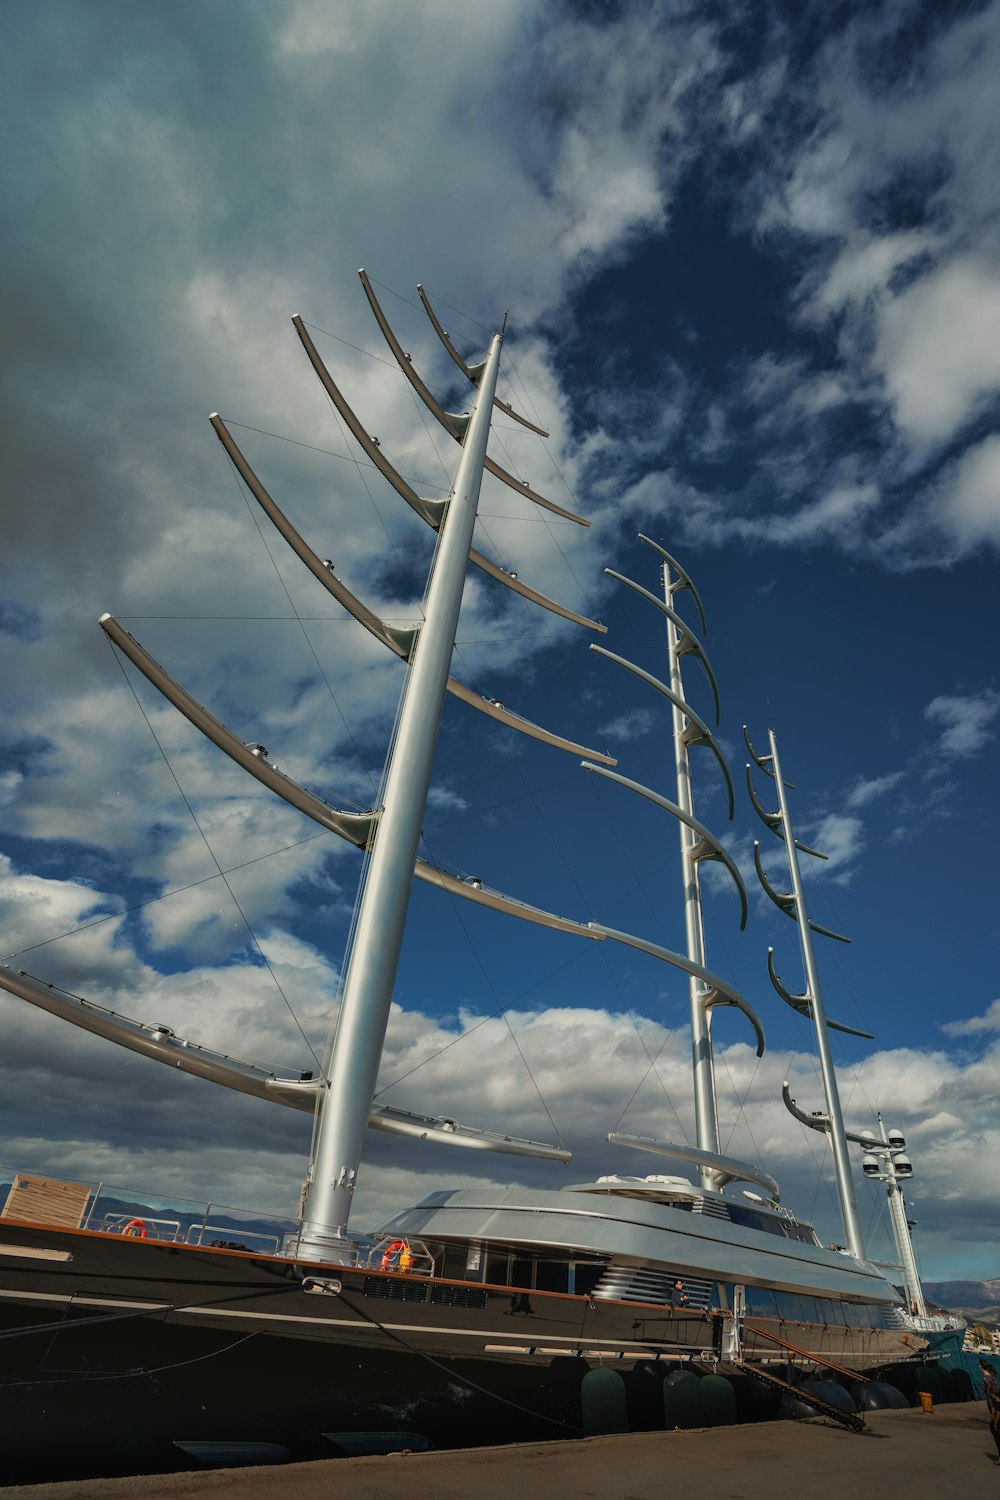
112,1351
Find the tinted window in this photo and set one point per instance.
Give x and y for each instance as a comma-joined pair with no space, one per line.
552,1276
496,1269
760,1302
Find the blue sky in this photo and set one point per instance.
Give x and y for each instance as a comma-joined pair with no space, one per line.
752,267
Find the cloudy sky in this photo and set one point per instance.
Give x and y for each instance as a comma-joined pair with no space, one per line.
750,256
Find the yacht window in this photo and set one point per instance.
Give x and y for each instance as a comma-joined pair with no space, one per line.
584,1276
760,1302
522,1272
497,1268
451,1263
799,1232
789,1305
754,1218
552,1276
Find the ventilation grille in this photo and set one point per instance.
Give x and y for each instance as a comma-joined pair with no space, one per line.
646,1284
712,1208
395,1289
457,1296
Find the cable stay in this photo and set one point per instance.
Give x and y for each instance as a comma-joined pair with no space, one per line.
452,423
803,1003
399,640
685,581
472,373
697,732
431,511
302,1092
717,991
706,845
786,902
688,643
358,829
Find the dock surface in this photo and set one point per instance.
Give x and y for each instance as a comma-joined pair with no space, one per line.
903,1453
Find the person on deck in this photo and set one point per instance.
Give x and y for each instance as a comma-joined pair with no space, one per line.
991,1393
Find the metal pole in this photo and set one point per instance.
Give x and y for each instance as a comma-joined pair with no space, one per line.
702,1061
346,1102
838,1135
901,1229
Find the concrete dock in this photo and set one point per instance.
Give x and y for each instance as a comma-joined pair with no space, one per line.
903,1453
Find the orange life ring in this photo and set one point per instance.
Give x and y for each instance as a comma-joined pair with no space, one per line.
401,1250
135,1229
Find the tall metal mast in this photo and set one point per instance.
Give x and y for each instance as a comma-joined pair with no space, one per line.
811,1002
696,843
706,1114
346,1102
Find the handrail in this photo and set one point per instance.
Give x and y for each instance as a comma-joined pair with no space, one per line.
773,1338
197,1232
850,1419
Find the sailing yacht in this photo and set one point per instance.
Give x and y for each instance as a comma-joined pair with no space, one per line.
477,1314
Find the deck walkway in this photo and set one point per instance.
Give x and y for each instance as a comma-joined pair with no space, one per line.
903,1454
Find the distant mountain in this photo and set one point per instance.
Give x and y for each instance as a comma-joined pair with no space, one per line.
976,1300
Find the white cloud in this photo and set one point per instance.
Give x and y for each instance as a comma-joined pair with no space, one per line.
839,515
840,836
988,1022
9,783
967,504
864,268
967,720
938,348
865,791
629,726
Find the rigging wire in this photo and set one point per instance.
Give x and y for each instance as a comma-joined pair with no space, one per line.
485,1020
499,1006
417,308
295,615
211,851
357,464
346,458
640,885
179,890
533,798
727,966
